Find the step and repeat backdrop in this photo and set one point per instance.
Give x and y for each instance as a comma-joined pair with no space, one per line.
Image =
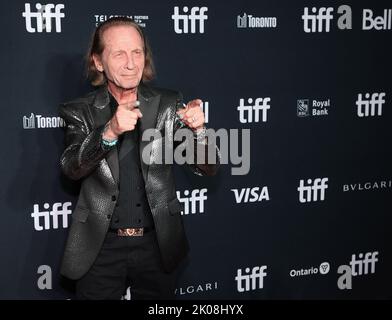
302,207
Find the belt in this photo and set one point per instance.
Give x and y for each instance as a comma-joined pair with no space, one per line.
131,232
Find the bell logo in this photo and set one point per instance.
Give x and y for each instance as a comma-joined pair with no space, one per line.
253,280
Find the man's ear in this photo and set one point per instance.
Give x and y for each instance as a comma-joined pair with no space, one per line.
97,63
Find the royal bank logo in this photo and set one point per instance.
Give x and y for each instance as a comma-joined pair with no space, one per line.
40,122
303,107
193,201
322,269
191,20
251,278
249,21
361,264
44,18
313,107
255,110
52,216
370,105
140,19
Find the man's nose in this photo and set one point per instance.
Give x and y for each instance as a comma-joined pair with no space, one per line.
130,63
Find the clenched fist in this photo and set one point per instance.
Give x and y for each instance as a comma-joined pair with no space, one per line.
125,119
192,115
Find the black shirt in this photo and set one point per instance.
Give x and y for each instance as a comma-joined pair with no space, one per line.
132,208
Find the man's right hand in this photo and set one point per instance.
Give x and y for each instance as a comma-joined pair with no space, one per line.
125,119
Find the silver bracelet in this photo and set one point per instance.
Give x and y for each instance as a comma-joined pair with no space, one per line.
201,135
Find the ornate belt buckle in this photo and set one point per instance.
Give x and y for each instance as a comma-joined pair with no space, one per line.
130,232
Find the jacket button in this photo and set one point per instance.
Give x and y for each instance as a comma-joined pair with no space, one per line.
109,216
113,198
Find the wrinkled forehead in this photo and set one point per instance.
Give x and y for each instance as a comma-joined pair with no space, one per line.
122,37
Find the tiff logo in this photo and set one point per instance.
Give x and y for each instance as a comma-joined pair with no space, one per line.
358,267
366,107
247,112
196,15
319,20
314,187
253,281
58,209
193,203
315,22
43,16
204,106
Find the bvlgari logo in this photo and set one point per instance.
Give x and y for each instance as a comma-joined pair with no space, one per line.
385,184
196,288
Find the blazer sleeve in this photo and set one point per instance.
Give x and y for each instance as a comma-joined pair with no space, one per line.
83,147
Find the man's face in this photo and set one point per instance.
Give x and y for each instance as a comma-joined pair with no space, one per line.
122,59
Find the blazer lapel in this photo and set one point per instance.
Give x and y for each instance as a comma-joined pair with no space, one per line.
149,106
102,114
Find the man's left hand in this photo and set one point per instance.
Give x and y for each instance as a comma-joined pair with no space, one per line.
192,115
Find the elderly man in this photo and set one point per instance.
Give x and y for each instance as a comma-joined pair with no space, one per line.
127,228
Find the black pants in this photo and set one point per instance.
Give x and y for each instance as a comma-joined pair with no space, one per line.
123,262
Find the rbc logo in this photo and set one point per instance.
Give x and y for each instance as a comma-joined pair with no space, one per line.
190,202
58,209
303,107
43,16
196,15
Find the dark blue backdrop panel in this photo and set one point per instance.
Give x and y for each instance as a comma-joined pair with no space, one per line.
310,80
